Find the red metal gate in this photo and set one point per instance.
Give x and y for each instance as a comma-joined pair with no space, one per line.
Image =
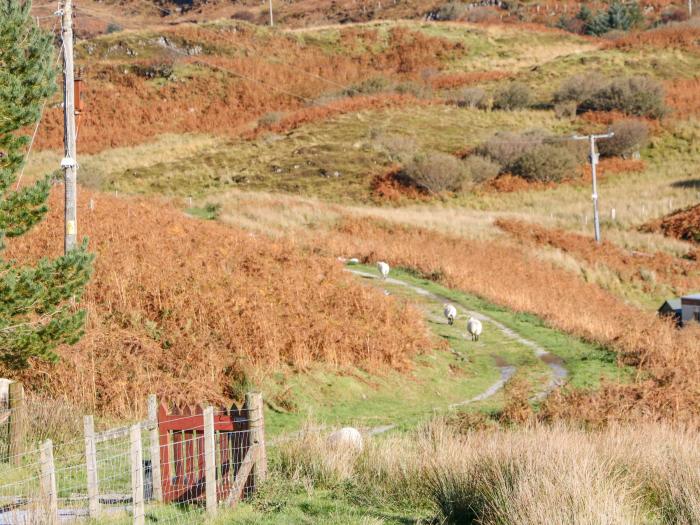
182,465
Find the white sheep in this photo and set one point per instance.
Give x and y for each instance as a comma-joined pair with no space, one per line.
450,312
474,328
346,437
383,269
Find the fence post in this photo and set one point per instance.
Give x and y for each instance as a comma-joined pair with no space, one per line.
17,422
210,460
48,482
91,466
137,474
155,447
256,425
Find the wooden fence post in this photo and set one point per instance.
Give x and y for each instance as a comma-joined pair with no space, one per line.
256,425
155,447
210,460
137,474
49,495
17,422
91,466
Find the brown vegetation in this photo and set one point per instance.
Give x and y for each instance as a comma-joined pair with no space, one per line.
467,78
389,187
630,266
507,275
683,95
190,308
679,36
215,87
681,224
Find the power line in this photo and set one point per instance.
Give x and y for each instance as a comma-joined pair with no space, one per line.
41,115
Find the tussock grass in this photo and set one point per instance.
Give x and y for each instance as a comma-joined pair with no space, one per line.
533,474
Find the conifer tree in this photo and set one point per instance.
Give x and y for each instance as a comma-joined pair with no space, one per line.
37,311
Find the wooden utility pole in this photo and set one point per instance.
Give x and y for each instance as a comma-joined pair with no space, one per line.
593,157
69,162
690,8
272,22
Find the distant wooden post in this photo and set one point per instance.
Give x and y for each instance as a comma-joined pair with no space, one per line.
155,447
137,474
210,460
17,422
49,495
91,466
256,424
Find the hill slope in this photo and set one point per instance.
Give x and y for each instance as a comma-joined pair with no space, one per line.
194,310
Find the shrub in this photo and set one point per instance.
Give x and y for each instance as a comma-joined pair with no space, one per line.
515,95
545,163
618,16
212,210
506,147
113,27
630,136
399,148
270,119
673,13
368,87
246,16
434,172
479,169
482,15
154,70
451,11
565,110
471,97
414,88
639,95
579,88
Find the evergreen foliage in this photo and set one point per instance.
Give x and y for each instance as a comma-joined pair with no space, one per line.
37,303
618,16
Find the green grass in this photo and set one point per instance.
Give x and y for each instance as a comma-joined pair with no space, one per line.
440,378
335,160
587,363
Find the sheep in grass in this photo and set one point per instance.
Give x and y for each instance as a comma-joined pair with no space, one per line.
474,328
450,312
383,269
347,438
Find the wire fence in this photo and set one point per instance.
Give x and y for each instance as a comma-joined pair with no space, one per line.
173,468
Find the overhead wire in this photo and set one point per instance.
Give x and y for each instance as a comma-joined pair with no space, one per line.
41,113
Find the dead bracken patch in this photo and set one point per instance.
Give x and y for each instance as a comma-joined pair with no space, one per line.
187,307
387,187
682,224
630,266
467,78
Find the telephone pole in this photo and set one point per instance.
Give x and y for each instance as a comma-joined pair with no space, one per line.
593,156
272,22
69,163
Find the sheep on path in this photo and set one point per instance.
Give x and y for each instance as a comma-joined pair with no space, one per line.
450,312
474,328
383,269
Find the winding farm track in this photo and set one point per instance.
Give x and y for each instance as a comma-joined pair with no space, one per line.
555,364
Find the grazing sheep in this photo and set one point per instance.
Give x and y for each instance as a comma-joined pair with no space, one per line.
346,437
450,312
474,328
383,269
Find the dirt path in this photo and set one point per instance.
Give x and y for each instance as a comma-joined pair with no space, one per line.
555,364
